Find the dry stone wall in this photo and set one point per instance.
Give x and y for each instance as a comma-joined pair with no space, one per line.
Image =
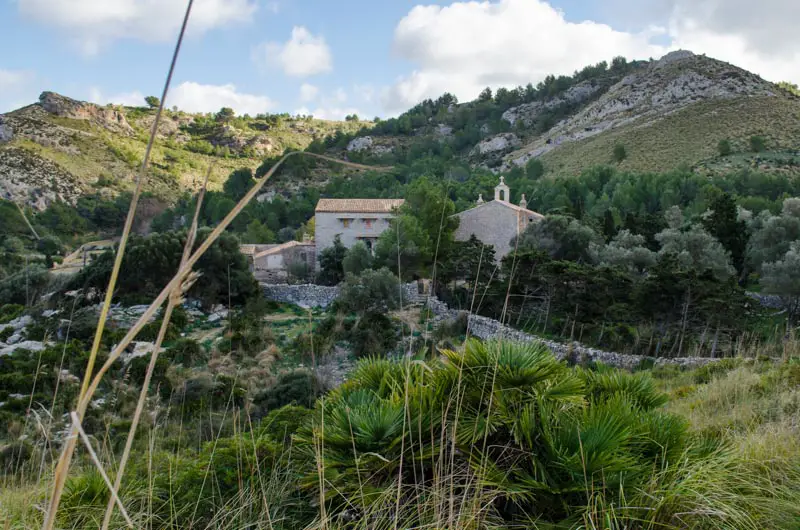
487,328
310,295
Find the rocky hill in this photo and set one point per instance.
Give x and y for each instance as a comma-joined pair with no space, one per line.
672,111
60,148
665,113
657,114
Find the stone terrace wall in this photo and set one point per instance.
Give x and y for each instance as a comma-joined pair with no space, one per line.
487,328
305,295
311,295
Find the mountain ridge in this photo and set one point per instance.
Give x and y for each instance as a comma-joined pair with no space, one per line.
660,114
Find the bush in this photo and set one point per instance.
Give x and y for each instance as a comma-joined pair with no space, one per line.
14,456
186,352
9,312
370,292
724,147
24,287
299,388
357,259
545,440
758,144
200,146
203,393
620,154
372,334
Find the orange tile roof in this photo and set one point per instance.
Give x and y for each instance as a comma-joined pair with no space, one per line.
276,249
358,205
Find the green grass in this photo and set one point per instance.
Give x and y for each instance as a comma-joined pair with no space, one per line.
740,469
686,137
114,157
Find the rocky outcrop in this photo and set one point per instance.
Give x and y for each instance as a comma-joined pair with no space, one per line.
64,107
29,345
234,140
653,91
6,132
496,144
367,143
529,112
31,180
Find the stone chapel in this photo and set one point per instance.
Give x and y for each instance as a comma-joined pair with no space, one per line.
496,222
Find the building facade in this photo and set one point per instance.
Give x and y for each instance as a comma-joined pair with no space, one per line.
353,220
276,263
496,222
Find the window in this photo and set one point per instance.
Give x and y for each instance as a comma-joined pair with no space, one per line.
346,222
368,223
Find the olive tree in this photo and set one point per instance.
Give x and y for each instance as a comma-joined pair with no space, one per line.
782,278
627,251
696,249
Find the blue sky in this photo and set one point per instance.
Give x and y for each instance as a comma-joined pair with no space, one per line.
371,57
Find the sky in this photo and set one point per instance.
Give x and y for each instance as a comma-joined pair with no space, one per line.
369,57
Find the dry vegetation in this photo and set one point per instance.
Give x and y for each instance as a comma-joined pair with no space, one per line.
687,137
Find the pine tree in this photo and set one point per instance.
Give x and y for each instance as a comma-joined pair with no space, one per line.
725,226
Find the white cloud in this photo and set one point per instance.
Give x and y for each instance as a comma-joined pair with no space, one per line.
195,97
308,92
339,95
365,93
328,113
13,79
761,39
331,106
15,89
466,46
94,23
129,99
302,55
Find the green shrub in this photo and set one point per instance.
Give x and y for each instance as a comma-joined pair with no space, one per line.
200,146
186,352
9,312
620,154
203,393
372,334
14,456
298,387
758,144
544,438
138,368
724,147
705,374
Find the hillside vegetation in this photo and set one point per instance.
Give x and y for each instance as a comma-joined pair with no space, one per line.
61,149
680,244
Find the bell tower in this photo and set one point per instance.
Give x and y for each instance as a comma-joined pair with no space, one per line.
501,191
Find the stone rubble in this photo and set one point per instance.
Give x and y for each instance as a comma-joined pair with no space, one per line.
30,345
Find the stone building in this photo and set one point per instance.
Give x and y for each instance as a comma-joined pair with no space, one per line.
496,222
275,263
353,220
